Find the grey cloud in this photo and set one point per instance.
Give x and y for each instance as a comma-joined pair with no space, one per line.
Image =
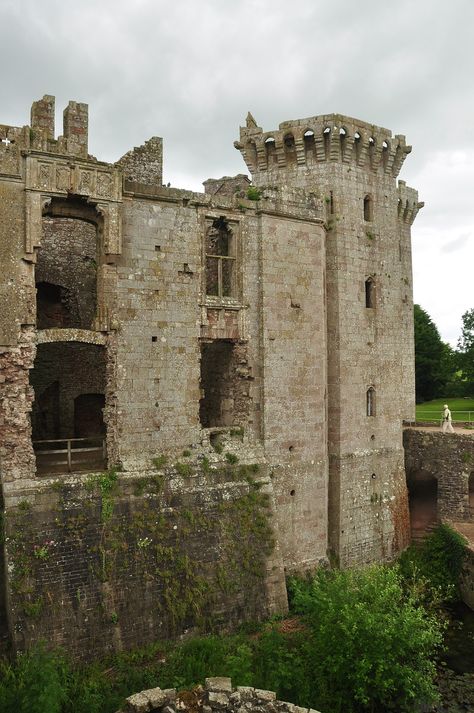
189,71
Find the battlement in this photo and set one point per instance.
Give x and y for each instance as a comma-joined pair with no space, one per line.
40,134
326,138
408,203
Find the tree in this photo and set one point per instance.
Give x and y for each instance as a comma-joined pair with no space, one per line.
434,360
466,351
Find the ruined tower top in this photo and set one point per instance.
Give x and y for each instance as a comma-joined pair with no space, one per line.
40,135
327,138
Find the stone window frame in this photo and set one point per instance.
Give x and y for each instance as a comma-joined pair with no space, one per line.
234,224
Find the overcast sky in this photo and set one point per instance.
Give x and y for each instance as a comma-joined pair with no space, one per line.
189,70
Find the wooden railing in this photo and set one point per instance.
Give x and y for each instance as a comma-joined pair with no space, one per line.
75,454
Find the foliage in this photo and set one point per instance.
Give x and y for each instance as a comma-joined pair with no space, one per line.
466,351
438,560
371,644
253,193
362,644
434,360
36,683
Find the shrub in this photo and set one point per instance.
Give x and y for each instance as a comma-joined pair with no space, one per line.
438,560
36,683
371,645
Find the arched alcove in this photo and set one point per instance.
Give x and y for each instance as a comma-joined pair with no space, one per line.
66,265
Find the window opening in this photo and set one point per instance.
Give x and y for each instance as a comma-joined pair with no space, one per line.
309,142
371,401
68,428
220,260
216,406
370,293
66,272
270,150
357,144
327,140
368,211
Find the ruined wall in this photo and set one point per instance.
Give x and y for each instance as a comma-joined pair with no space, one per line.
86,555
294,376
218,695
447,457
68,258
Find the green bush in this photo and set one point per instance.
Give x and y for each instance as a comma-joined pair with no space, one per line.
36,683
438,560
370,644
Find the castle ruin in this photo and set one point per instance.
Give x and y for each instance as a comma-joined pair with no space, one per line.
222,358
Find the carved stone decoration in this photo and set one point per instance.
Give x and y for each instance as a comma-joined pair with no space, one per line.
44,176
63,178
86,179
104,185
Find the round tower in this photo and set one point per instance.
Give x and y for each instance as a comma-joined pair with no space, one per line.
351,167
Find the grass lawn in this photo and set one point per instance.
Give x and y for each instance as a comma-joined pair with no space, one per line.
462,409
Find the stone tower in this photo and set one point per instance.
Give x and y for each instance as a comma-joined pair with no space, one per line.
352,167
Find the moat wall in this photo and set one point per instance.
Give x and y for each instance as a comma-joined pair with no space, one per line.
109,562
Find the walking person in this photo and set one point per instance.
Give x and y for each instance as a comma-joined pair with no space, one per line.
447,426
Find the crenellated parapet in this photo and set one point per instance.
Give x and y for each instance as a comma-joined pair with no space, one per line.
40,135
408,203
326,138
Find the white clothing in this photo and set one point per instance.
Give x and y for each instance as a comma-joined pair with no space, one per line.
447,426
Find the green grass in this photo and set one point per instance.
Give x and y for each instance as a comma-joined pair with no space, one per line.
432,410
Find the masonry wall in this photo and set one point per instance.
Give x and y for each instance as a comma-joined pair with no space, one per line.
105,563
367,347
294,378
447,458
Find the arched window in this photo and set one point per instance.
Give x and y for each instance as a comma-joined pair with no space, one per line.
368,208
342,140
385,153
220,260
370,293
370,401
327,140
357,144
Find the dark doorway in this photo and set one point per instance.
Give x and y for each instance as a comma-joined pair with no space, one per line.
88,415
423,500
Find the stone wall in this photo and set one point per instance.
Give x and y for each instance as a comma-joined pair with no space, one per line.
449,458
218,695
68,258
109,562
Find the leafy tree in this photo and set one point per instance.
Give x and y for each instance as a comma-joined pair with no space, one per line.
466,351
434,360
370,641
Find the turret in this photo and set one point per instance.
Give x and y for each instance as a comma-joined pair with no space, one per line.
328,138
